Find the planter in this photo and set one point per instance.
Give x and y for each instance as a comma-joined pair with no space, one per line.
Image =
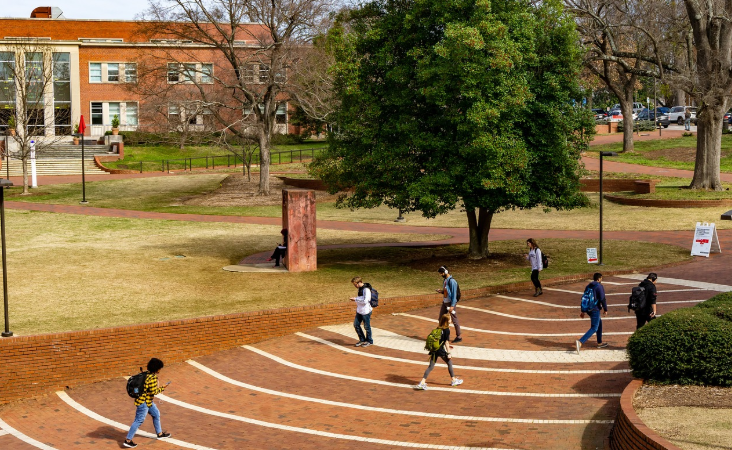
76,141
115,131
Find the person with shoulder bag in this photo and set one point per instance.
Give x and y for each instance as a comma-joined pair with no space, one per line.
450,296
537,264
363,313
144,403
438,344
593,299
647,310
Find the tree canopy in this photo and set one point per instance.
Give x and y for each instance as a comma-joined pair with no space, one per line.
448,103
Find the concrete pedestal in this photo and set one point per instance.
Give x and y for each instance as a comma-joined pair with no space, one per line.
298,217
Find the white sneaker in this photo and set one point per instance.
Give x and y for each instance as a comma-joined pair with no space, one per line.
421,387
457,382
358,344
578,344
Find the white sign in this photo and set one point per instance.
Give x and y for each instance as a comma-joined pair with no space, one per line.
34,180
705,240
592,256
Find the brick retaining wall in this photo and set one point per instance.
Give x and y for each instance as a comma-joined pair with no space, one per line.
629,432
39,364
648,202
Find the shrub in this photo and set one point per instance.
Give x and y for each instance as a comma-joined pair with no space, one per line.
602,122
639,125
286,139
686,346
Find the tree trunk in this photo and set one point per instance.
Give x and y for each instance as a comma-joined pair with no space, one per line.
264,150
680,98
626,107
708,147
479,228
25,176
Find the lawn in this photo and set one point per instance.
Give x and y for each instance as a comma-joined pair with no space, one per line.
152,156
69,272
671,153
165,194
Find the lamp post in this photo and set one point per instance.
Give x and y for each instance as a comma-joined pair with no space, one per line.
83,173
3,184
400,218
599,260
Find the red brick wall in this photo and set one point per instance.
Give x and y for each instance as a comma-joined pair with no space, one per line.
667,203
629,432
608,185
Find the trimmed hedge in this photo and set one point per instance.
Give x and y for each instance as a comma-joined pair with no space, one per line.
686,346
639,125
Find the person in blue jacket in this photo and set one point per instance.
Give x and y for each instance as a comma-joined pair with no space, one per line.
449,300
594,313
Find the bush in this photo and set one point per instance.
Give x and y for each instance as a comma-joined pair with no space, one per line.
287,139
639,125
686,346
602,122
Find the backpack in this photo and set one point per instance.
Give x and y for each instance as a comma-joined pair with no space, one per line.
374,295
136,384
458,294
637,301
432,343
589,302
544,260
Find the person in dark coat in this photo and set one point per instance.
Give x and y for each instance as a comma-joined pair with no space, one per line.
281,249
648,312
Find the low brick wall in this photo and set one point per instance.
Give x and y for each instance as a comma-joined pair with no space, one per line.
609,185
39,364
99,161
668,203
629,432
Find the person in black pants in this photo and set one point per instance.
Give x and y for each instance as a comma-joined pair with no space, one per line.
648,312
281,249
534,258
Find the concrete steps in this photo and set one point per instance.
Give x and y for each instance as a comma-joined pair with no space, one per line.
72,151
54,166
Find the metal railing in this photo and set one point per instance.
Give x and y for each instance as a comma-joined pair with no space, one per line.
235,160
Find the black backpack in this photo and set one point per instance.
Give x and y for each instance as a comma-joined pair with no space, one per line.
544,260
637,301
136,384
374,295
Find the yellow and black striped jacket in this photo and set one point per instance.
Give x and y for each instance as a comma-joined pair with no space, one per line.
150,390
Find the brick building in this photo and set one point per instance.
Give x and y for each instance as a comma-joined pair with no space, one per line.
95,66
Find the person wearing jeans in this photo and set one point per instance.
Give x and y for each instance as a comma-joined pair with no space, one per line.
687,119
594,313
145,405
363,313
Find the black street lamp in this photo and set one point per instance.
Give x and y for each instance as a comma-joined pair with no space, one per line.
599,260
3,184
83,174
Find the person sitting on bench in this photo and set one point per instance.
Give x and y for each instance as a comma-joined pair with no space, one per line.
281,249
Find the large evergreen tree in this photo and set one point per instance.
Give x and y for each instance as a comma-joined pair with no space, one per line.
448,103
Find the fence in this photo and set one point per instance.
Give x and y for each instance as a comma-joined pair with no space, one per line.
232,159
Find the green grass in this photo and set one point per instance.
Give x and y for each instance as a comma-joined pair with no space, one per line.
152,156
641,149
71,272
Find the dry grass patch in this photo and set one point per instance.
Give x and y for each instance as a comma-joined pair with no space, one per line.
691,428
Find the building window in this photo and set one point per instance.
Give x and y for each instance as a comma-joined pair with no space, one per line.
36,121
7,89
173,73
263,73
130,73
206,73
97,114
113,72
281,113
189,73
113,111
95,72
62,94
173,113
34,79
131,113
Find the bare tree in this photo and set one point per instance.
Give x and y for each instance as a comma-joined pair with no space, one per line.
253,47
28,68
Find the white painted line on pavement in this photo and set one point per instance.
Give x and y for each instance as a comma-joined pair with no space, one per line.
98,417
576,319
577,306
3,432
510,333
411,386
226,379
690,283
27,439
624,293
534,301
482,369
659,303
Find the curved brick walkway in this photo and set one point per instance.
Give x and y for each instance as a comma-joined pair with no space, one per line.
524,386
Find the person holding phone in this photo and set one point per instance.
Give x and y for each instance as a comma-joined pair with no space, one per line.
145,405
449,300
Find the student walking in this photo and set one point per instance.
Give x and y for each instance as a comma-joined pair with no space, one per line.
363,313
647,312
438,344
687,119
534,258
450,292
597,293
145,405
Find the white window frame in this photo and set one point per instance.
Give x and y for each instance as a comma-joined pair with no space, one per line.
184,75
101,75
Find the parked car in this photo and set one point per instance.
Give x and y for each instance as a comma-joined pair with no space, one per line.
600,114
636,105
676,114
647,114
728,117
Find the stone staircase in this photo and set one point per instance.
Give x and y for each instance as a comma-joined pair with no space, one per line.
61,159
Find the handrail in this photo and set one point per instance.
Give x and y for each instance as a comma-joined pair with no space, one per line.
210,161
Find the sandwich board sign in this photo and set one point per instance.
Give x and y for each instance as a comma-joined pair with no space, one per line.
705,240
591,256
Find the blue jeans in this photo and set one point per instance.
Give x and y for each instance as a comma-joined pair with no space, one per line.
687,124
140,414
366,319
595,327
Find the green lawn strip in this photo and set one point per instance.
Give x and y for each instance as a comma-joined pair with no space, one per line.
641,148
69,272
152,156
